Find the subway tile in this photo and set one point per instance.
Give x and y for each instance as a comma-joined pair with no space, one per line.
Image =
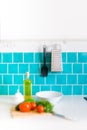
39,79
85,68
28,57
50,79
3,68
35,89
71,79
48,57
71,57
18,79
67,68
3,90
77,68
77,90
38,57
82,57
45,88
13,89
7,57
56,88
34,68
0,58
82,79
64,57
0,79
7,79
61,79
67,90
23,68
17,57
85,89
13,68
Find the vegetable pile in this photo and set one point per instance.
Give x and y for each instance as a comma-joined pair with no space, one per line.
39,106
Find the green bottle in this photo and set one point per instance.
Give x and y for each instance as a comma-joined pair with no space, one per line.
27,87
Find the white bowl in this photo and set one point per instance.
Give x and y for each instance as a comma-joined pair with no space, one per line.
51,96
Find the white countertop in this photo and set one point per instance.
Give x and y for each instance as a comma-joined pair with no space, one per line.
73,107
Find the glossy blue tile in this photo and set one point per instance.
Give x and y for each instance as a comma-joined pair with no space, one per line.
85,68
48,57
17,57
35,89
18,79
3,68
7,79
39,79
56,88
34,68
3,90
0,58
45,88
82,57
13,68
13,89
50,79
64,57
82,79
77,68
67,90
38,57
61,79
7,57
0,79
67,68
71,79
28,57
23,68
85,89
71,57
77,90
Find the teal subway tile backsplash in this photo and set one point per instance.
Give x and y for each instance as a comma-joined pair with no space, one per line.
77,90
18,79
3,68
7,57
3,90
71,81
17,57
13,68
71,57
13,89
7,79
82,57
77,68
23,68
28,57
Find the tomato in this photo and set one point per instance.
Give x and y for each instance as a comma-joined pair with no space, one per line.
40,108
33,105
25,107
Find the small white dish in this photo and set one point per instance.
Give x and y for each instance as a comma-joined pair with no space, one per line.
51,96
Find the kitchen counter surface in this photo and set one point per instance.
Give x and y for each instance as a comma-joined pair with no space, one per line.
73,107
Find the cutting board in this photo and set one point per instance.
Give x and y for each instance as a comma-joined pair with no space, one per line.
15,113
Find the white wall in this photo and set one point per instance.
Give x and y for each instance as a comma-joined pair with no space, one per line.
43,19
37,45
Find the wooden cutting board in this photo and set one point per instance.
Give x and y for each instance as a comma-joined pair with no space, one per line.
15,113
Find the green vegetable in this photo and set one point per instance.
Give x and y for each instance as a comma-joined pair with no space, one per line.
48,107
30,100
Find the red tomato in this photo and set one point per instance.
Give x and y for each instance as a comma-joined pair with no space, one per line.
25,107
40,108
33,105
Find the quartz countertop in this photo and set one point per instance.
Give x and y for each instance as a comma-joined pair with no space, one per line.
72,107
